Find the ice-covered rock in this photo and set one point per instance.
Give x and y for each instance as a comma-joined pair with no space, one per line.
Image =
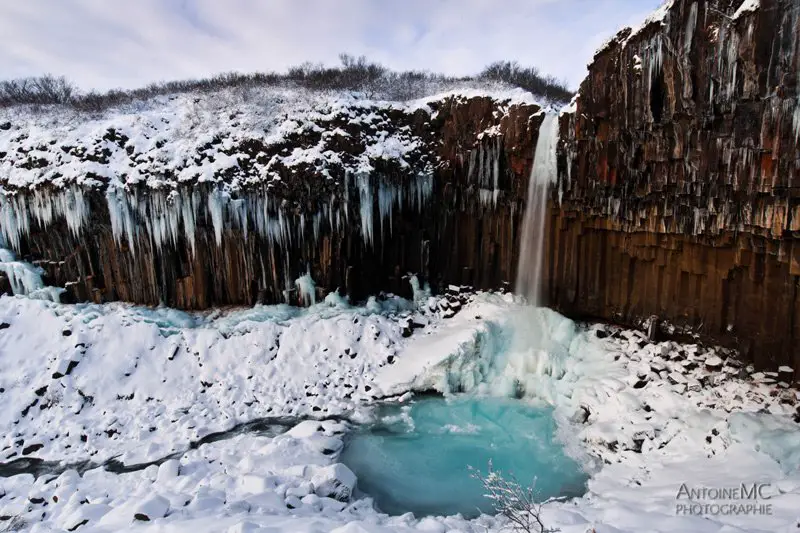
676,378
153,507
335,481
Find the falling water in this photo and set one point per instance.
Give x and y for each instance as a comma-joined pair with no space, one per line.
543,173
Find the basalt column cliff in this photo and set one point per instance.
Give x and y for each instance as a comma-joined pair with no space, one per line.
276,196
678,195
675,196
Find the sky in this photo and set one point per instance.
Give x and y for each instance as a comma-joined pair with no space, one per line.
105,44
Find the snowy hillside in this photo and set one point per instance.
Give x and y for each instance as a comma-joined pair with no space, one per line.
236,137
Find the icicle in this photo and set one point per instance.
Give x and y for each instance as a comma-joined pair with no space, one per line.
796,121
287,293
119,211
388,196
691,25
421,294
215,211
365,207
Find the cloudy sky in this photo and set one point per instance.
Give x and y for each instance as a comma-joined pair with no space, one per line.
102,44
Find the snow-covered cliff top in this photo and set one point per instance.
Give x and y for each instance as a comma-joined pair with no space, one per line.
238,136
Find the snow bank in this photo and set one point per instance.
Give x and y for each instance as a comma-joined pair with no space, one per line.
92,382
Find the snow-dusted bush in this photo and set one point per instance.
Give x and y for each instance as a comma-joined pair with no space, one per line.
512,500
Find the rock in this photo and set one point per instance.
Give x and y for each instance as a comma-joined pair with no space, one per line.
734,362
694,385
786,373
581,415
418,323
168,470
788,397
293,502
676,378
4,325
335,481
677,355
85,514
717,379
679,388
31,448
244,527
151,508
300,491
652,329
713,363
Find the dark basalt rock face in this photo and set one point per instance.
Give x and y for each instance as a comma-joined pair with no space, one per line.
449,214
679,193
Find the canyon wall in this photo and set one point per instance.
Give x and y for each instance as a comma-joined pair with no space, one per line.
367,195
678,194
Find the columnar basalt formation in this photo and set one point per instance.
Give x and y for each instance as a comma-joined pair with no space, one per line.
676,194
679,183
356,195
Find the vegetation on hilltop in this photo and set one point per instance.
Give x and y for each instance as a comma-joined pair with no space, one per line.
354,73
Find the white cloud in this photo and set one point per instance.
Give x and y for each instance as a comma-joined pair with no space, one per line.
103,44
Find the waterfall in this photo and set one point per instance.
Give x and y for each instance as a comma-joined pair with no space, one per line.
543,173
25,278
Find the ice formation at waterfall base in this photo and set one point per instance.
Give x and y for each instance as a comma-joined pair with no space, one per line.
444,438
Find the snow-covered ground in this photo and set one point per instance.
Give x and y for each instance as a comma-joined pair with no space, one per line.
90,382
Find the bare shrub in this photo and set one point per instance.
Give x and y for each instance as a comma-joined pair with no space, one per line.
510,499
354,73
43,90
528,78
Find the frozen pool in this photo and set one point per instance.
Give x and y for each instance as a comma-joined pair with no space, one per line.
416,457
